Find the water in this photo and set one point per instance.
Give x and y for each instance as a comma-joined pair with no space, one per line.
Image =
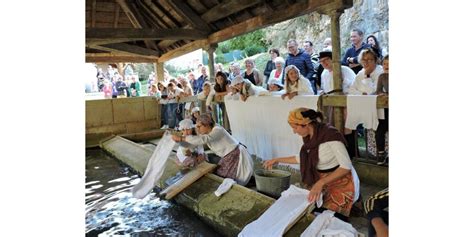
112,211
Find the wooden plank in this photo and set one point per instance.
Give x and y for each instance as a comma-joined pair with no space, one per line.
183,50
189,15
188,179
123,35
341,101
128,49
118,59
117,15
197,5
227,8
93,13
160,11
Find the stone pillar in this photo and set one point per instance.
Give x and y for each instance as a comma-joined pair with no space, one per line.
210,51
160,71
336,65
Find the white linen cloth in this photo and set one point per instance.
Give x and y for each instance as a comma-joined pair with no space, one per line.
261,124
155,167
224,187
362,109
284,211
325,224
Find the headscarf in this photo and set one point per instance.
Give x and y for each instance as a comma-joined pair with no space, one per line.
309,153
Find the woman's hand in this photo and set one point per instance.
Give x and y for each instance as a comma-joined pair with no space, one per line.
315,191
292,94
243,97
269,163
283,96
176,138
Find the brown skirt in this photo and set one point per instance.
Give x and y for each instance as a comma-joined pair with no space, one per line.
228,164
339,194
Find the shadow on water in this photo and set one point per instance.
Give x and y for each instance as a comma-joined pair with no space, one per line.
112,211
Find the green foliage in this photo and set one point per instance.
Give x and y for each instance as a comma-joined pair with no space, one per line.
220,58
175,71
255,38
223,47
143,70
253,49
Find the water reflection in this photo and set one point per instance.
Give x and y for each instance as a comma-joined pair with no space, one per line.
112,211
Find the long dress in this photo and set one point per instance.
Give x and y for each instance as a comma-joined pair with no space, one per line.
235,163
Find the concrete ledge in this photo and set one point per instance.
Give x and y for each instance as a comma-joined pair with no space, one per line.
228,214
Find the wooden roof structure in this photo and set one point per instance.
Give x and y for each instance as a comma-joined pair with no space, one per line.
159,30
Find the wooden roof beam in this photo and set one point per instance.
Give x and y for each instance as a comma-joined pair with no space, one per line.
195,45
135,18
112,35
117,58
116,15
93,9
127,49
189,15
227,8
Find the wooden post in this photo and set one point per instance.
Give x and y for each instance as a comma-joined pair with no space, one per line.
210,51
336,65
120,69
160,71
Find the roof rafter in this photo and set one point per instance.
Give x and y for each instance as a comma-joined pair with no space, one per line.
112,35
189,15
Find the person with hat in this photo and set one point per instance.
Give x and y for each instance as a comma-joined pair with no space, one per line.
295,83
189,155
195,113
275,87
327,83
245,88
324,162
235,163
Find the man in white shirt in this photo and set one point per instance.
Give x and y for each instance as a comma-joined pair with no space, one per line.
327,83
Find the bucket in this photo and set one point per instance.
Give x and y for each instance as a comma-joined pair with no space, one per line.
272,182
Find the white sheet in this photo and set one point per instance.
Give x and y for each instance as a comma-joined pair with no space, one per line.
325,224
273,222
155,167
362,109
268,114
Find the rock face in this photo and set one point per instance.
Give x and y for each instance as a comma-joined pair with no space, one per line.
371,16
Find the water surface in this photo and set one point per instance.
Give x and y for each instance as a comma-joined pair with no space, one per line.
112,211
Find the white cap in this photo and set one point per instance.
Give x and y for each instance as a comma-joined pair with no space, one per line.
276,82
185,124
237,79
195,109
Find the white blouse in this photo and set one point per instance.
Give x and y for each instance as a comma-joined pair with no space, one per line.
218,140
331,154
364,84
303,87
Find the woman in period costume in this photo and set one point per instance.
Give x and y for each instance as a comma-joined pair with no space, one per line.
236,162
324,162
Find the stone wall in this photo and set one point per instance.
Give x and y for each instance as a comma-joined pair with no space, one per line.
371,16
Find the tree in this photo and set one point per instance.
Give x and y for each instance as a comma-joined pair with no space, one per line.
252,39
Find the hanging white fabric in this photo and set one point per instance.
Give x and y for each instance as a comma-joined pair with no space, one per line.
285,211
362,109
269,114
155,167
